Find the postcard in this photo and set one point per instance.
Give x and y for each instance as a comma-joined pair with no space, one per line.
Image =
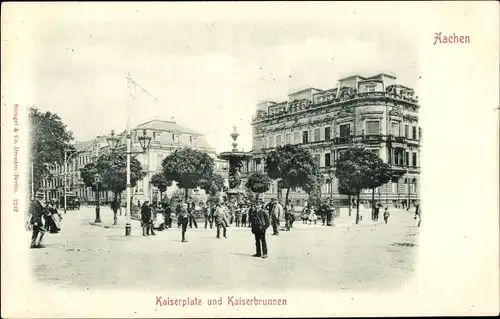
253,159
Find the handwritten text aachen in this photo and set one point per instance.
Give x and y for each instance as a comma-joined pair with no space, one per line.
230,301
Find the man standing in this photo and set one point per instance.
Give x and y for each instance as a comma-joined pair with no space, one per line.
38,210
147,219
260,222
183,220
418,214
206,213
192,219
277,212
323,211
167,211
237,214
220,220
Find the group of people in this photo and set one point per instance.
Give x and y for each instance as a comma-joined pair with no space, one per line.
325,211
44,217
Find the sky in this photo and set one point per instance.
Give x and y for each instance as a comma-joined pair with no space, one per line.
206,71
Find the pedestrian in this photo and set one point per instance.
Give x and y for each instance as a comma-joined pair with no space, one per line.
192,218
323,211
183,220
205,208
276,214
304,214
227,213
212,214
244,215
53,222
231,209
312,215
288,218
167,211
237,215
418,214
260,222
386,215
251,212
292,215
220,220
38,209
147,219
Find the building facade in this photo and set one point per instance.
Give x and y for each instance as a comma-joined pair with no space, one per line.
372,111
166,136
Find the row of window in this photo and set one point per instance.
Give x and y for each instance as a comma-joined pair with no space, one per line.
402,157
327,188
372,127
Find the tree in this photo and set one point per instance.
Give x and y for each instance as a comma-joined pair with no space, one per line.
343,189
313,188
49,137
188,167
292,165
380,174
258,182
357,169
213,185
112,167
159,181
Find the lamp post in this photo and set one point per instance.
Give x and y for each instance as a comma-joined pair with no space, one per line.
66,159
97,180
113,143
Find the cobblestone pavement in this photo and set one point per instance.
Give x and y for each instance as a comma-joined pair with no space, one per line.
369,256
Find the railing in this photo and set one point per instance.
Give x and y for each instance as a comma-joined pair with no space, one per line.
337,100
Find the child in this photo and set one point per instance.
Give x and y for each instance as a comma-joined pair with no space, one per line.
312,216
305,215
386,215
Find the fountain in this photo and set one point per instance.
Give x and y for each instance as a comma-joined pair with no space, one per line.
235,159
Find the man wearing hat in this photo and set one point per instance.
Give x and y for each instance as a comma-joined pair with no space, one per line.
38,210
260,222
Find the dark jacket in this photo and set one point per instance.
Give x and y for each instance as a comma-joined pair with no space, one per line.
146,214
260,221
37,212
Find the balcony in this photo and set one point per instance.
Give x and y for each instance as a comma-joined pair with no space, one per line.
372,138
343,140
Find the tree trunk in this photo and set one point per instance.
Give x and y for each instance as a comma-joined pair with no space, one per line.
186,194
115,209
357,208
286,197
257,197
120,204
350,204
373,203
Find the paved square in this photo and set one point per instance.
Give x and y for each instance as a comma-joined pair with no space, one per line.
360,257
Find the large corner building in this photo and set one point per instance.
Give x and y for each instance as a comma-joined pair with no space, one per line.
373,111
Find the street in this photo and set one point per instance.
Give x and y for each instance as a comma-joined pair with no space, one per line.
360,257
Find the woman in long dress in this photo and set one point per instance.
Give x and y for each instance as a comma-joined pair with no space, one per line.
54,220
312,215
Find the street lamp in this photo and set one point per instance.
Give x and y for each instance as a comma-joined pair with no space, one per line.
66,159
97,180
113,142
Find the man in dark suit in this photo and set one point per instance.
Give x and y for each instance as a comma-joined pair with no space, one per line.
38,210
260,222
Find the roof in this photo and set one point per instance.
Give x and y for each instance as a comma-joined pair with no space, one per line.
161,125
304,90
80,146
382,74
352,77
